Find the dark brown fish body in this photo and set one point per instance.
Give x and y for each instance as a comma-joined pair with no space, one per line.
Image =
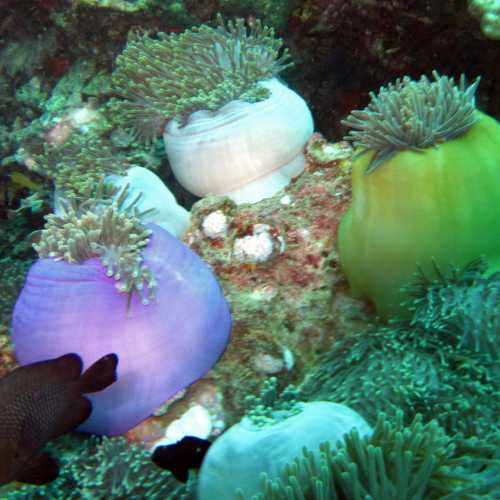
180,457
40,402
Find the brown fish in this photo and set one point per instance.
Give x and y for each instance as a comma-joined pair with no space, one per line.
39,402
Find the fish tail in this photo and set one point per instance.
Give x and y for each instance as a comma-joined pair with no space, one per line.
99,375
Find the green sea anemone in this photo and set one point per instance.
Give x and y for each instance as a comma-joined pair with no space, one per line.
442,363
461,307
104,468
172,75
395,368
432,191
397,462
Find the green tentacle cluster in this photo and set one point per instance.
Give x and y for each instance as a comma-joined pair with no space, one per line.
385,371
461,306
104,228
413,115
270,406
397,462
104,468
172,75
119,469
77,166
442,363
13,273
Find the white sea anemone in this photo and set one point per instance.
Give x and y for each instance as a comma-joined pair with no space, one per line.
247,151
231,127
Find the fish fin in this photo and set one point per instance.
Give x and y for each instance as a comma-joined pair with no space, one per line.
99,375
77,411
199,449
67,367
180,457
180,473
40,470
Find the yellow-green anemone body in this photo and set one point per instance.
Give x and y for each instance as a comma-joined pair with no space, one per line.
441,204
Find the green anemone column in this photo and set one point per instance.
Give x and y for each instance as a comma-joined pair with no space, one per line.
439,203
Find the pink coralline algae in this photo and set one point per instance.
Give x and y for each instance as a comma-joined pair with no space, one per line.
276,262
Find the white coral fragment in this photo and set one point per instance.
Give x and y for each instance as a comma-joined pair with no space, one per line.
215,225
257,247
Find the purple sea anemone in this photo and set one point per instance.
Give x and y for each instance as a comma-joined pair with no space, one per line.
163,346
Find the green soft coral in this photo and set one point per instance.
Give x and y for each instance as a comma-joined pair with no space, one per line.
421,204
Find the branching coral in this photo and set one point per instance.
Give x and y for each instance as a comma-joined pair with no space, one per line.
172,75
102,228
396,462
414,115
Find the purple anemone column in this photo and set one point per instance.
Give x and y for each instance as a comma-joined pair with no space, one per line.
162,347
